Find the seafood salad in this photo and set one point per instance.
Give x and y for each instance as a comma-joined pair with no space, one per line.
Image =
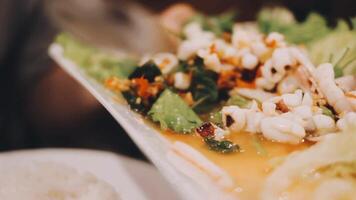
268,106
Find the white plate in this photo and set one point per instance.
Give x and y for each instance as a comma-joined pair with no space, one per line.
130,178
149,140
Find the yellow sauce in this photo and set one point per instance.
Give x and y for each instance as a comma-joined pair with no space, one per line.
248,168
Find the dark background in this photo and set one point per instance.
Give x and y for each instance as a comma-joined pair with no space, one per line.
30,108
331,9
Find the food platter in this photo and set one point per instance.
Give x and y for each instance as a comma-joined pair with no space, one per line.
233,109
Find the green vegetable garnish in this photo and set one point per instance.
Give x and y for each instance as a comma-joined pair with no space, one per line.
327,111
259,147
238,100
98,64
223,146
273,19
340,64
217,24
138,106
353,23
281,20
216,118
203,88
170,111
338,72
148,71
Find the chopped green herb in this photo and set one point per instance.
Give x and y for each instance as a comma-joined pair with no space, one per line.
238,100
136,103
203,88
223,146
173,113
338,72
327,111
216,118
276,161
259,147
148,71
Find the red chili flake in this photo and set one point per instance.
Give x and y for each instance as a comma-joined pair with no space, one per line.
142,85
227,79
213,49
206,129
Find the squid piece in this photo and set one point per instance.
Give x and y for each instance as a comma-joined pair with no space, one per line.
282,130
324,76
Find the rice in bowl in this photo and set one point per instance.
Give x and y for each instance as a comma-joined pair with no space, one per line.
51,181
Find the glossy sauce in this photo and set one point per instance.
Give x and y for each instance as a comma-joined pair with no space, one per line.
248,168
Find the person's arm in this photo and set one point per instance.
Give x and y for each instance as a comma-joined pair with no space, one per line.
35,92
58,100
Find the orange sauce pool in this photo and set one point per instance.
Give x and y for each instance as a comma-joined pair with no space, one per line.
248,168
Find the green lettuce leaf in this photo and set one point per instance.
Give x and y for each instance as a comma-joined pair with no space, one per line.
339,48
353,22
218,24
216,118
275,19
281,20
98,64
238,100
171,112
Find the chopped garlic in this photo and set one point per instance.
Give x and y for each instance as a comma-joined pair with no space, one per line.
181,80
249,61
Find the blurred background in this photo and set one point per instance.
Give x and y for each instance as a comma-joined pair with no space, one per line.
42,106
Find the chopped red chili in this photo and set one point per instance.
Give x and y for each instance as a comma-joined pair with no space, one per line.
205,130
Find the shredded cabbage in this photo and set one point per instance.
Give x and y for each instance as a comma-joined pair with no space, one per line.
338,148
